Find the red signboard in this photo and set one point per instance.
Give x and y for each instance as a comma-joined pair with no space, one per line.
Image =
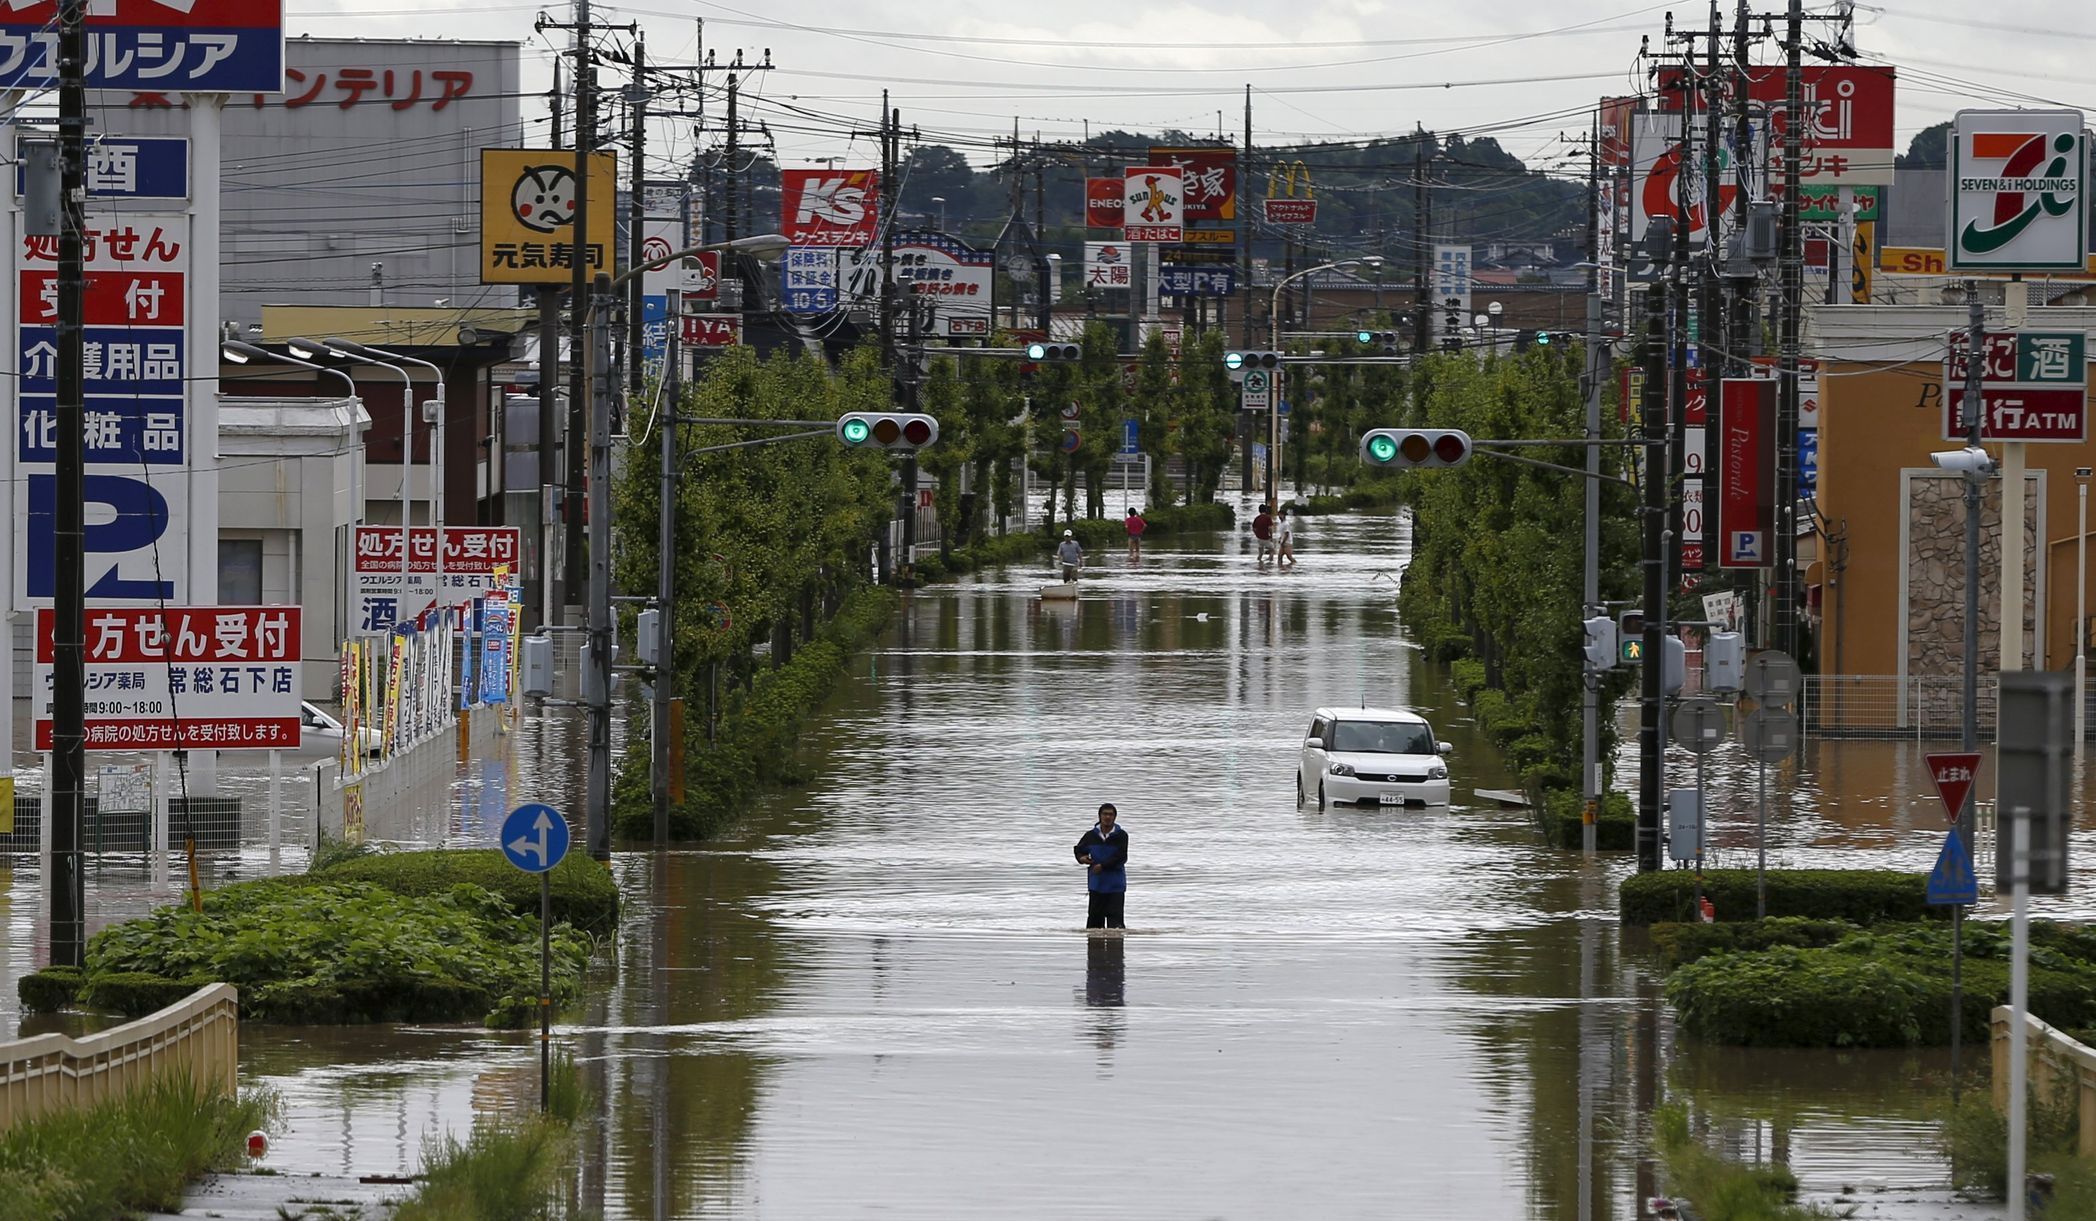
712,330
1291,211
1695,408
2034,386
1210,178
114,298
209,677
468,550
1102,202
1849,136
829,207
700,278
1953,772
1746,464
1615,130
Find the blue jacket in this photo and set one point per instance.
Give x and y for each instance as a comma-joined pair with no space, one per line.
1110,851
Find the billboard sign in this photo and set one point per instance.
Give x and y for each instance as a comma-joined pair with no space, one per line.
1197,279
954,277
829,207
711,330
1210,177
137,411
168,46
472,557
1286,211
1153,203
808,280
527,214
1746,462
1451,284
131,167
181,678
1107,265
1848,139
1657,185
1103,199
2018,191
2034,385
699,276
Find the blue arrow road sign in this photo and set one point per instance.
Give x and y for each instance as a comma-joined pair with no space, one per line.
535,838
1952,880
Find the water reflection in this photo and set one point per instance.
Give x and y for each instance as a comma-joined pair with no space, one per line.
1105,990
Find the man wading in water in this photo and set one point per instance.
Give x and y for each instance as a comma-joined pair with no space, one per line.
1104,850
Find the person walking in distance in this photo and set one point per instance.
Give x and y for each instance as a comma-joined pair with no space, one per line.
1104,853
1284,538
1263,530
1070,555
1136,526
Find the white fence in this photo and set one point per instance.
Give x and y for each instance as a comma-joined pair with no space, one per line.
199,1035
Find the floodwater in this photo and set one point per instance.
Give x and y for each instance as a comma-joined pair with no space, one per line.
875,997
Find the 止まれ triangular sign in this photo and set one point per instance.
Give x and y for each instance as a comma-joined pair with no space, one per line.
1952,880
1953,773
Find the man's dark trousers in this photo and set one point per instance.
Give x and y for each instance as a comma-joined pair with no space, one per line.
1105,910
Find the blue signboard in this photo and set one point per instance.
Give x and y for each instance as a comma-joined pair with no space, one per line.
131,167
1197,280
808,280
152,46
1952,881
1130,438
534,837
1808,461
654,328
125,518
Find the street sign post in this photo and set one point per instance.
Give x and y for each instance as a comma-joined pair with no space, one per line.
1258,390
535,839
1769,734
1771,678
1699,725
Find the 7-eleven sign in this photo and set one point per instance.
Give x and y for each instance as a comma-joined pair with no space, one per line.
1953,773
2018,197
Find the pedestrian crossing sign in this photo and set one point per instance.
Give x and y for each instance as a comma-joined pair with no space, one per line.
1633,650
1952,881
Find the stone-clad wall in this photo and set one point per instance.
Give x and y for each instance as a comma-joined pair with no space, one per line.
1936,582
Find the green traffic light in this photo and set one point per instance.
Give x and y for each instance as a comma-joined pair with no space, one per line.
1382,449
1364,336
1036,351
1233,360
1543,337
856,432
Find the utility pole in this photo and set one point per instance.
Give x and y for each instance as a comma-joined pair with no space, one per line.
1422,322
1590,587
1741,316
597,684
579,302
539,594
1677,362
1783,632
666,573
730,216
1652,671
890,121
67,808
1244,277
637,216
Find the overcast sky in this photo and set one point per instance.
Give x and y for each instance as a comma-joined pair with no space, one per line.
1519,69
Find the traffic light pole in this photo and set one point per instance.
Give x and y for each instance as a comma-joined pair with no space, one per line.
1654,427
1590,583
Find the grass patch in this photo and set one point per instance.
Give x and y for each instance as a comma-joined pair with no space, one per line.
335,952
1860,896
125,1156
1797,985
1561,818
1720,1188
1368,494
1975,1139
507,1169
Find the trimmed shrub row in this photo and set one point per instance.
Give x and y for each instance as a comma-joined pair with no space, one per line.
1887,986
1615,830
1860,896
754,745
583,892
1368,494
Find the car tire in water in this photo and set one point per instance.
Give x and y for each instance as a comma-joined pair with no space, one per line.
1299,790
1321,803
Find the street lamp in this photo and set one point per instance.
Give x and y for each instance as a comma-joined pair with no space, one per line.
1273,318
240,353
307,349
941,201
436,451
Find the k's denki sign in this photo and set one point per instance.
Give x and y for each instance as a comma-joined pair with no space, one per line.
829,207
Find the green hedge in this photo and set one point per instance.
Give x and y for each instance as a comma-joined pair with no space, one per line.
1681,944
50,989
1615,830
303,950
1887,986
584,894
1860,896
755,742
1368,494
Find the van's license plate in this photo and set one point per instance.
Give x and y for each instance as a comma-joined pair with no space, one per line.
1390,799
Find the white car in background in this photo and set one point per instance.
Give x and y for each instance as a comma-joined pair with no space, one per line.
1377,756
320,735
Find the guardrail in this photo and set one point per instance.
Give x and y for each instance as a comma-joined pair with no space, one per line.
199,1035
2059,1067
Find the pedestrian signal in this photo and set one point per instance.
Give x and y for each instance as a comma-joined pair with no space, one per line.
887,430
1630,636
1601,643
1404,448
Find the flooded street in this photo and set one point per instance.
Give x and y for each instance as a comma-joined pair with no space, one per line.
875,996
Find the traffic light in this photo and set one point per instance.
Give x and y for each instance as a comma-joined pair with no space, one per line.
887,430
1404,448
1675,676
1386,340
1237,362
1545,338
1054,351
1724,662
1601,643
1630,636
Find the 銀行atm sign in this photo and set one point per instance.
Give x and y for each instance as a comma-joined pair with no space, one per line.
164,46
